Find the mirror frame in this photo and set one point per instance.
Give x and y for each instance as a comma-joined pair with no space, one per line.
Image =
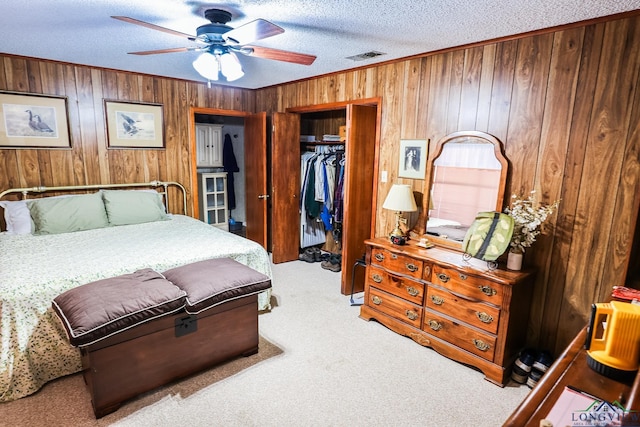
499,153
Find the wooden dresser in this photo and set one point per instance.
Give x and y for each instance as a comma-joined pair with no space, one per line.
459,308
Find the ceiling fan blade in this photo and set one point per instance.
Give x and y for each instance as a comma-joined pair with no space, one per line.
153,27
172,50
282,55
252,31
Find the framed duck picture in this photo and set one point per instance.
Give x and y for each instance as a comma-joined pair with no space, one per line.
134,125
33,121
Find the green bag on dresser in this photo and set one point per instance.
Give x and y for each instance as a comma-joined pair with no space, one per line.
489,236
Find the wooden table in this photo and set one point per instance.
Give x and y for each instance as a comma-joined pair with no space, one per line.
571,369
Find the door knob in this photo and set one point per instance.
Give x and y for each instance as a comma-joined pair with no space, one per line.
263,196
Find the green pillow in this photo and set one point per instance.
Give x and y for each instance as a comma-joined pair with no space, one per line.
133,207
67,214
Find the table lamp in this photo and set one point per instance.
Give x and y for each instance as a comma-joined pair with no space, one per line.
400,199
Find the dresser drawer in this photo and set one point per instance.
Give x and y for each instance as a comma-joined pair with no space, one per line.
470,339
476,313
395,307
397,263
470,286
400,286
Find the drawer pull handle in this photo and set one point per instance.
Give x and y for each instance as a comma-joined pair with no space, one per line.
463,277
443,277
412,267
484,317
437,300
436,326
481,345
411,315
379,257
487,290
376,300
412,291
377,278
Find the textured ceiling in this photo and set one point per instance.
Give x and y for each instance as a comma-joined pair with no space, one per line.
82,32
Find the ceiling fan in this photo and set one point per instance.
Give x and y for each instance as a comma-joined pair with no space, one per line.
219,43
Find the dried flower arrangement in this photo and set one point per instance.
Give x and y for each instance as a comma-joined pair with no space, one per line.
528,217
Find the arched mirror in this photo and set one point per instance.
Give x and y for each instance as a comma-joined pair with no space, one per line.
468,175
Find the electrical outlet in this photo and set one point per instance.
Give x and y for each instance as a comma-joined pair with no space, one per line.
383,176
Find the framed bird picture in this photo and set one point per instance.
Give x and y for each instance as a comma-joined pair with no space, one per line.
134,124
33,121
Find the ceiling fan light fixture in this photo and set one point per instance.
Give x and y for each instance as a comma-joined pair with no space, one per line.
220,42
210,64
207,66
230,66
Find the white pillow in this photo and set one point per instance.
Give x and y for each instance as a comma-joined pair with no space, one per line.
17,217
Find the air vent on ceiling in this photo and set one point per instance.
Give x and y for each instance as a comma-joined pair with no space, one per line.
366,55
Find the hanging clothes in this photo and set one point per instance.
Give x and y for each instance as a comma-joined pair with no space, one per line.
230,166
338,197
312,206
311,231
319,172
325,214
338,208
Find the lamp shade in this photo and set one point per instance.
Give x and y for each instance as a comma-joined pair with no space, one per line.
400,199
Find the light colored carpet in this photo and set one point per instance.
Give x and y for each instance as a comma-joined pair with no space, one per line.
319,365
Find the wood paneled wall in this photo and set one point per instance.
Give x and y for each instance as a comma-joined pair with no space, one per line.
566,106
89,161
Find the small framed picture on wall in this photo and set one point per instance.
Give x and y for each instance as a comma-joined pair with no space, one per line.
134,124
413,158
33,121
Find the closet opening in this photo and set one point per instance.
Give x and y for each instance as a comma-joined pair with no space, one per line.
221,172
322,160
347,134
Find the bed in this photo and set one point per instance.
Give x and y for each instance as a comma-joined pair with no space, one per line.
36,267
447,229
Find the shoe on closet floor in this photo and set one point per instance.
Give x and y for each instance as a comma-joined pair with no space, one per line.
334,263
309,255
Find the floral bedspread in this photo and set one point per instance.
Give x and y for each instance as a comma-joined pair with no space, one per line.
36,269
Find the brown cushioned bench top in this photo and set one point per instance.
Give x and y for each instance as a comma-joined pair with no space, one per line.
99,309
214,281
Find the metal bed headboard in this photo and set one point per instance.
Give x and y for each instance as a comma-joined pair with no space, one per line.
154,184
